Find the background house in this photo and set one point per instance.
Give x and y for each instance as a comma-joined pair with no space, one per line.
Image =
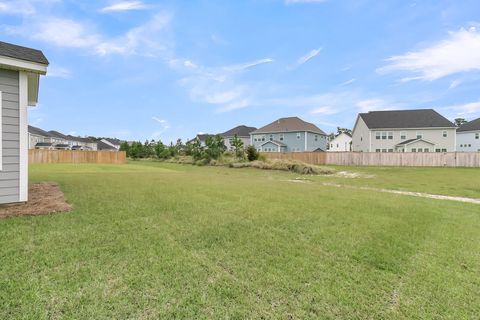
201,137
341,143
114,143
20,70
289,135
35,136
422,130
242,132
468,136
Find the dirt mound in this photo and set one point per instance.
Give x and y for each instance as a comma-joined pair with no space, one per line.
43,198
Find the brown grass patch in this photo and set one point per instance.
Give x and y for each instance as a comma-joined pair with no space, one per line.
43,198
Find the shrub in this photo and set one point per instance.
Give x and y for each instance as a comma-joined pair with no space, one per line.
252,153
284,165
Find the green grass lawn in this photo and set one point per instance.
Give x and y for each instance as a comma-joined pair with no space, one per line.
163,241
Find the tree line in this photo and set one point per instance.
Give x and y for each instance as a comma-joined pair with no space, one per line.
213,149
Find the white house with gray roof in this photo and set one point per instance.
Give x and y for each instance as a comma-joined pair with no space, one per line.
242,132
468,136
421,130
20,70
289,135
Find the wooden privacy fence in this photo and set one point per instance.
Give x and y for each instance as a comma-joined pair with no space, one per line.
407,159
69,156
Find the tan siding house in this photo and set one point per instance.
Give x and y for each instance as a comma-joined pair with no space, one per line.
422,130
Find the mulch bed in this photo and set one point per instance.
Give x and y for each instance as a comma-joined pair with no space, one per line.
43,198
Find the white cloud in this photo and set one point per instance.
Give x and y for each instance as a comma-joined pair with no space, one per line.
460,52
23,7
376,104
58,72
248,65
312,54
148,39
465,109
303,1
327,110
454,84
125,6
164,126
346,83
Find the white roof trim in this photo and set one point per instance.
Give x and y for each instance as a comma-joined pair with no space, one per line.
22,65
274,142
414,141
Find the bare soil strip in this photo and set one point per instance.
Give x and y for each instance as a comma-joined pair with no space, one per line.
43,198
406,193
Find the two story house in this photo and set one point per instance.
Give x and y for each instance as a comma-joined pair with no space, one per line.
242,132
421,130
289,135
468,136
341,143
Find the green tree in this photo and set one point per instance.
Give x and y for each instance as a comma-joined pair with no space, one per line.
252,153
125,147
136,150
215,147
237,144
459,121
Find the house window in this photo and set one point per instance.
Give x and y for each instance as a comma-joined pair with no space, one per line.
271,137
419,135
331,145
281,137
420,150
377,150
377,135
316,138
384,135
444,134
414,150
298,135
437,150
426,150
477,135
337,145
444,150
390,135
390,150
384,150
263,138
403,135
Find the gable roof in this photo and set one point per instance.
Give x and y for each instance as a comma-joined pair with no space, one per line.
240,131
103,146
338,135
38,131
410,141
275,142
22,53
57,134
419,118
290,124
470,126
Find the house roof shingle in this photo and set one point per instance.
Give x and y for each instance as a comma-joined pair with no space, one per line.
240,131
470,126
22,53
290,124
419,118
278,143
57,134
103,146
38,131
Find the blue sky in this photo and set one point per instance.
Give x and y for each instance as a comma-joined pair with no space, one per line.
168,69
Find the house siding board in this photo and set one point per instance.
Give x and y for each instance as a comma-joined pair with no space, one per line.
9,175
313,145
289,139
431,135
360,136
466,141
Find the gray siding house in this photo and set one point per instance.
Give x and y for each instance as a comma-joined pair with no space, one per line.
20,70
242,132
289,135
468,136
421,130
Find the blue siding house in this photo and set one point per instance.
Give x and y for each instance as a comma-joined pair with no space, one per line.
289,135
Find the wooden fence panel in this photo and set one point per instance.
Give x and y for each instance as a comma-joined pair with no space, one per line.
69,156
407,159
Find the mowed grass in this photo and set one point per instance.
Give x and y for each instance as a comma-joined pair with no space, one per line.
164,241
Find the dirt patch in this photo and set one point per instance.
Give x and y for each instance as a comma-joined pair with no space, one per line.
43,198
347,174
406,193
